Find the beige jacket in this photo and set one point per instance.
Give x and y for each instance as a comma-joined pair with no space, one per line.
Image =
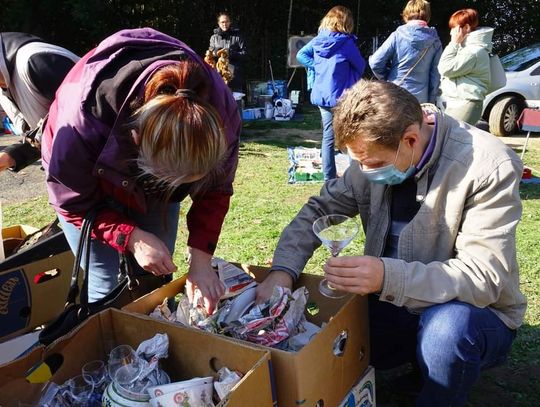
461,243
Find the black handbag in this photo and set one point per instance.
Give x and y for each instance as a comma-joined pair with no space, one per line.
128,289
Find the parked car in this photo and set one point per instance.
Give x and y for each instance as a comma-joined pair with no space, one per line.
503,107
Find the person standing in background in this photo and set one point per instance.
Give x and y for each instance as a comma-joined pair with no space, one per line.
31,71
228,37
410,55
464,66
338,65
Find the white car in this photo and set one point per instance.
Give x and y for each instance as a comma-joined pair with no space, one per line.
503,107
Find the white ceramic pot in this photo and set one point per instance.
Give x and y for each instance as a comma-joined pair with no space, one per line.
116,396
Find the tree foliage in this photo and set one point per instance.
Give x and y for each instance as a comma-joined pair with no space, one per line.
80,24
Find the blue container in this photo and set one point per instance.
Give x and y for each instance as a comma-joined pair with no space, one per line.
280,87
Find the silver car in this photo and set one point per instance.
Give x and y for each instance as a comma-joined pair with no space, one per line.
503,107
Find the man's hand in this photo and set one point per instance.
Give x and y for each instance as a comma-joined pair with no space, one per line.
150,252
202,276
276,278
355,274
6,161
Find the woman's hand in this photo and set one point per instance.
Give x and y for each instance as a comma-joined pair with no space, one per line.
458,34
202,276
150,252
276,278
355,274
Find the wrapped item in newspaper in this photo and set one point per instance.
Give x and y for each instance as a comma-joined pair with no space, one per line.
227,379
163,312
233,278
274,321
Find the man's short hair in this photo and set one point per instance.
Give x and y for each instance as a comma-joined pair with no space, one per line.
375,111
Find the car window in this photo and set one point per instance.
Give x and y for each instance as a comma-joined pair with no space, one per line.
521,59
536,71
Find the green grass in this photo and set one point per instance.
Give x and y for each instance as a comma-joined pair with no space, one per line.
264,203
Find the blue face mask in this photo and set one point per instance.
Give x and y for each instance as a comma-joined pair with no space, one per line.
389,174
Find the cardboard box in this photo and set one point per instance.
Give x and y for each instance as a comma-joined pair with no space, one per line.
12,236
326,368
363,393
191,353
33,283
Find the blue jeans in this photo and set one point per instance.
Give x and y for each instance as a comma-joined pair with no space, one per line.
451,343
327,147
103,276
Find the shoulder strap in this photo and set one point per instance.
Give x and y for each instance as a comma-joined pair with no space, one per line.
82,247
424,52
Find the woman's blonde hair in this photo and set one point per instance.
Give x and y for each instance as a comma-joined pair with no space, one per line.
338,19
417,10
181,134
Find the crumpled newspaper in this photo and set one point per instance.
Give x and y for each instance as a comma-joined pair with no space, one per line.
150,352
279,322
227,379
233,278
274,321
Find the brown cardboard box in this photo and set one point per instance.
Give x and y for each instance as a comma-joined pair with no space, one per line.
191,353
12,236
328,366
33,283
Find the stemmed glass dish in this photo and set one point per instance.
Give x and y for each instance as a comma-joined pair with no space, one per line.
80,390
95,373
124,365
335,232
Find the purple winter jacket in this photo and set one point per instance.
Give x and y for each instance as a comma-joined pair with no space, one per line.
88,156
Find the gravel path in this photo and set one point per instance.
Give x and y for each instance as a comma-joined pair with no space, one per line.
26,184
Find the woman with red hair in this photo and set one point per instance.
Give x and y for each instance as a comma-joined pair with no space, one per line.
140,123
464,66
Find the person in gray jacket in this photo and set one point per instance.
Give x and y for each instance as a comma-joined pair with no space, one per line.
410,55
31,71
230,38
439,204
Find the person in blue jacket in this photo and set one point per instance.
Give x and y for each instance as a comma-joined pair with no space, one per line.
338,65
410,55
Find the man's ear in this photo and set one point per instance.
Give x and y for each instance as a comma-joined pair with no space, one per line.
412,135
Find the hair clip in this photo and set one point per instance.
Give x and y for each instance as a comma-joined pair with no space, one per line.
185,93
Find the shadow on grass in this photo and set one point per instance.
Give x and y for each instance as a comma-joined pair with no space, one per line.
288,140
515,383
529,191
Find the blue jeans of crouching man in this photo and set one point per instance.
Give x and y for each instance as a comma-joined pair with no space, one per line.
451,342
327,147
